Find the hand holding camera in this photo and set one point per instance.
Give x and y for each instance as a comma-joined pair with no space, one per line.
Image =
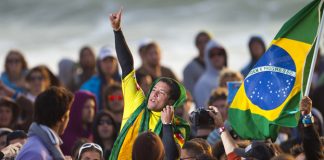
217,116
207,117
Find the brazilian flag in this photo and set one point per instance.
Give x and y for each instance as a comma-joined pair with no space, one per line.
270,94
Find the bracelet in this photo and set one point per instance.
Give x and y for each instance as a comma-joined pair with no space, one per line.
307,119
166,123
220,130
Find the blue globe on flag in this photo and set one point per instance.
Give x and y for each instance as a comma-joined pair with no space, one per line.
271,80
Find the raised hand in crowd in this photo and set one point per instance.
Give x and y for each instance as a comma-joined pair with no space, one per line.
115,19
305,105
311,141
228,141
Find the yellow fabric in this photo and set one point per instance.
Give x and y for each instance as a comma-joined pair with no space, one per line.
127,147
154,118
133,96
298,51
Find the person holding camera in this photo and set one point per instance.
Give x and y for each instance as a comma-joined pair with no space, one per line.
141,113
218,98
227,139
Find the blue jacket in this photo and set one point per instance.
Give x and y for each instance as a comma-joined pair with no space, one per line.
34,149
93,85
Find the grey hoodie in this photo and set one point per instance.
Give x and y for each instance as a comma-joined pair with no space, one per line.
209,80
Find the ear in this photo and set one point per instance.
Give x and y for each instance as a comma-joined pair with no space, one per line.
66,116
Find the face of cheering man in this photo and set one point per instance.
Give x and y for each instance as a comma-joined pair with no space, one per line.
159,97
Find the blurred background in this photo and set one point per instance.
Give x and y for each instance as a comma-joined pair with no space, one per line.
47,31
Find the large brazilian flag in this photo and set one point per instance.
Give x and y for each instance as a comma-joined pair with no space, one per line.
270,94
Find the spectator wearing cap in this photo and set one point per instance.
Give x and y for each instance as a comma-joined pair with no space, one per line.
9,112
52,108
108,74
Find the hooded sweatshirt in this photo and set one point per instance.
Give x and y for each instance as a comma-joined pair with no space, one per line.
74,129
209,80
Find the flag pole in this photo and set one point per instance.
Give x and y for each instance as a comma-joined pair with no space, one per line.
311,71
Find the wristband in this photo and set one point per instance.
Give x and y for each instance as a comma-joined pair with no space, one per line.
220,130
165,123
307,119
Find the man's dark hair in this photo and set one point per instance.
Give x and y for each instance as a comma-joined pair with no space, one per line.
201,33
51,105
174,88
206,146
193,148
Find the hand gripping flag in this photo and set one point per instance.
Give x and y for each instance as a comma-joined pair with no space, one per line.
270,94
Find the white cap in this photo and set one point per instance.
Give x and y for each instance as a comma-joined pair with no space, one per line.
107,51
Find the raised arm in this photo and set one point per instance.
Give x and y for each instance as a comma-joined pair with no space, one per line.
228,141
311,140
124,55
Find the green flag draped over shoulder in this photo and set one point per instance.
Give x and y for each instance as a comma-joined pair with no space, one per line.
270,94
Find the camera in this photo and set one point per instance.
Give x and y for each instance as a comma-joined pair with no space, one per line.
201,117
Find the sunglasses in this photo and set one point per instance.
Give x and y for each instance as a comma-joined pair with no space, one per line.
115,98
89,145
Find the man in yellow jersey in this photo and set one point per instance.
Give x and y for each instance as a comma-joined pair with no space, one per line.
154,112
